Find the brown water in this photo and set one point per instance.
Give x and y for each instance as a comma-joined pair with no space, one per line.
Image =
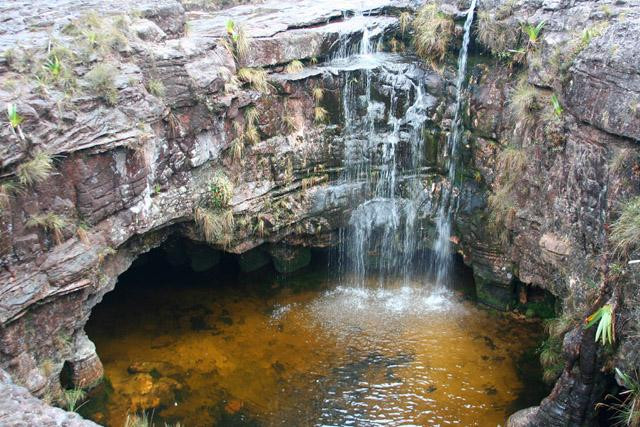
229,349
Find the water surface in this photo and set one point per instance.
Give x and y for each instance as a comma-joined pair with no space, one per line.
231,349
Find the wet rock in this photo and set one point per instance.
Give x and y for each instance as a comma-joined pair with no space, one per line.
287,259
500,296
253,260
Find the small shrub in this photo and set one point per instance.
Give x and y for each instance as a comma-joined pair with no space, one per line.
156,88
625,231
433,32
220,192
35,170
293,67
50,223
101,82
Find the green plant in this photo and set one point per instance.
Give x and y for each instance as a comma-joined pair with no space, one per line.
101,82
533,32
625,231
71,398
7,189
35,170
237,148
239,40
606,329
15,119
220,191
511,164
551,359
156,88
557,108
433,32
293,67
256,77
53,66
50,223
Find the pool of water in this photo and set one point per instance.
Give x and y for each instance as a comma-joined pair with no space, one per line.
233,349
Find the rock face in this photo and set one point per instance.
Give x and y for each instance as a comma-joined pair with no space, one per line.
140,143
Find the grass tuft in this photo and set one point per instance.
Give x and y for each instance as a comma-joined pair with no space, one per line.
156,88
625,231
35,170
499,37
294,67
320,114
50,223
220,191
101,82
256,78
433,32
524,103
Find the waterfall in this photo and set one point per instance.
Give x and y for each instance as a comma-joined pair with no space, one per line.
381,235
446,210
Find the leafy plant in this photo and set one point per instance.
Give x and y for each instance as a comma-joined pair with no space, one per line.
533,32
433,32
625,231
14,117
557,108
35,170
604,317
239,40
50,223
220,191
293,67
101,82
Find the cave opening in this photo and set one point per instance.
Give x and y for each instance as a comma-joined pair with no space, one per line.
198,336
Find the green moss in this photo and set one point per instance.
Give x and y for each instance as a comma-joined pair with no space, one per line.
495,295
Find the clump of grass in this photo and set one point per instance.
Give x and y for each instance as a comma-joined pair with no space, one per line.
511,164
557,107
50,223
551,359
238,39
626,408
35,170
138,420
7,189
318,94
53,66
289,123
404,22
101,82
256,78
82,231
524,103
293,67
433,32
15,120
71,398
625,231
237,148
215,225
499,37
320,114
156,88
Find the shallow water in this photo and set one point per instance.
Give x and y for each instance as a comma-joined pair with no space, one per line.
229,349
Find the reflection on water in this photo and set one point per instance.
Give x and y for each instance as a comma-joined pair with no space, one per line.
261,350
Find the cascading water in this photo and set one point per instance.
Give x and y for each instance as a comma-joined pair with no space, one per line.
442,247
381,235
